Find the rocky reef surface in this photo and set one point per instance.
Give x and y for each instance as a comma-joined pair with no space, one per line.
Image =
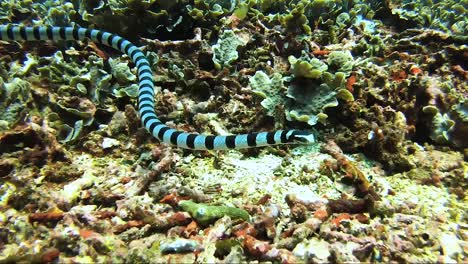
382,85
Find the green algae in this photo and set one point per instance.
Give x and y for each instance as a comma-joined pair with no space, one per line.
442,124
50,12
340,61
14,99
69,73
69,111
270,89
203,10
121,71
296,19
317,85
225,50
207,214
312,90
310,98
126,91
462,110
312,68
449,16
345,95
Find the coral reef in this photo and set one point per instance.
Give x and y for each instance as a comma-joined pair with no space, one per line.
382,84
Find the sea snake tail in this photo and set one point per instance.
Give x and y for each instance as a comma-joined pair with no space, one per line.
146,92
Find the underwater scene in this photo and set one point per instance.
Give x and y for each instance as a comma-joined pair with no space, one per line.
233,131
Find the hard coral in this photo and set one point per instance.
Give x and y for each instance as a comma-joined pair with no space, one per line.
380,133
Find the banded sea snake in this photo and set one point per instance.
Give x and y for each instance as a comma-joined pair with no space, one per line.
146,92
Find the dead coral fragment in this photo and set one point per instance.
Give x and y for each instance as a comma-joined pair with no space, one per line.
61,172
350,170
179,246
53,215
207,214
36,145
24,136
256,247
350,206
132,223
50,255
5,168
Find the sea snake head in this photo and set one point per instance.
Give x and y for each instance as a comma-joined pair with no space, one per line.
302,136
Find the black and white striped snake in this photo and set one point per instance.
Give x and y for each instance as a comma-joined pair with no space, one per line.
146,93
